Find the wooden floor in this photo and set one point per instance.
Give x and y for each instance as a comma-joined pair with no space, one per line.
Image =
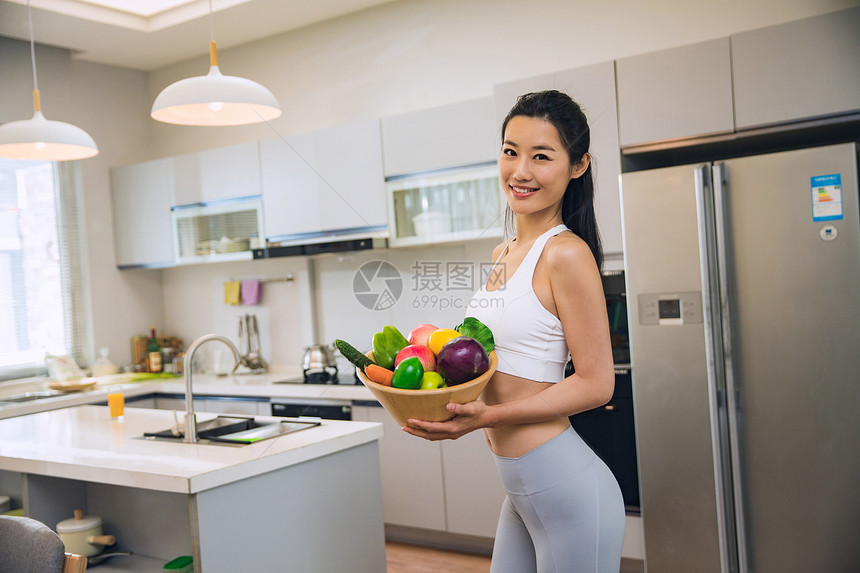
403,558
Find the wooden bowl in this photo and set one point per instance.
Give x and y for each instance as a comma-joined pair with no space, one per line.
427,405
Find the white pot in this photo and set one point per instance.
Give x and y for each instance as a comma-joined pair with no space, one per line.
83,534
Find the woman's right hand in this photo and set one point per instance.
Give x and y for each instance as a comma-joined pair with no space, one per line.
467,418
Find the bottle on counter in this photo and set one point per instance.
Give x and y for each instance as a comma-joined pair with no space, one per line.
138,352
179,363
153,353
102,365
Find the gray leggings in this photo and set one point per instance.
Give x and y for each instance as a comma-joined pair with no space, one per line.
563,514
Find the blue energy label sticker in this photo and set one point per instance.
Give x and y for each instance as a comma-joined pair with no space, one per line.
827,197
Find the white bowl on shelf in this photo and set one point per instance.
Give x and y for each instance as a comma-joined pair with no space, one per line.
228,245
432,223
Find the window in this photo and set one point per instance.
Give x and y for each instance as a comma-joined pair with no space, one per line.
42,267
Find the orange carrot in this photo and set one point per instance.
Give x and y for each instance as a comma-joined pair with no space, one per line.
379,374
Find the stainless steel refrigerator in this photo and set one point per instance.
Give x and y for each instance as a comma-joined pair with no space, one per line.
743,289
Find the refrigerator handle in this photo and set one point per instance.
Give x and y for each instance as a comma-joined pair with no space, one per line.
733,397
705,182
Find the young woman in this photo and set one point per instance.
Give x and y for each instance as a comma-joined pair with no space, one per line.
564,511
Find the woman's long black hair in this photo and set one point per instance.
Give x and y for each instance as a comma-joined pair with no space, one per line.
577,207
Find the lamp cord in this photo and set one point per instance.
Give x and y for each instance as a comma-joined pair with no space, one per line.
211,23
33,48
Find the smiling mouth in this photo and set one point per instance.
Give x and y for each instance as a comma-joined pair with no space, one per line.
521,191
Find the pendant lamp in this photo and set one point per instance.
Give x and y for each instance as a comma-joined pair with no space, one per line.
40,138
215,99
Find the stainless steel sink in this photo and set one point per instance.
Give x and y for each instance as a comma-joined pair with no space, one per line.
28,396
236,431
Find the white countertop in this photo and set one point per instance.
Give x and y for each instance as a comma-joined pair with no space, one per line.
85,443
248,386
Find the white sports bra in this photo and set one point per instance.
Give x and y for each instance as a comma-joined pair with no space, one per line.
529,339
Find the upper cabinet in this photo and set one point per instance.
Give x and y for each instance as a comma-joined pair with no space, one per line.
441,175
142,195
803,69
214,174
593,88
324,182
448,136
798,71
676,93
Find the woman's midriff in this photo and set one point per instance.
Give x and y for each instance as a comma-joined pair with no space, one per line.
513,441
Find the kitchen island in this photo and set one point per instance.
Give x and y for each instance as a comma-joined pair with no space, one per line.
306,501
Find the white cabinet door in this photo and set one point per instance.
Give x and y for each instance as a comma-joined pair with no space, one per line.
142,195
411,468
593,88
178,404
187,179
448,136
219,405
230,406
675,93
326,180
797,70
143,402
222,173
473,489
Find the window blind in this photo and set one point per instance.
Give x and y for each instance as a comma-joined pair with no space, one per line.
43,288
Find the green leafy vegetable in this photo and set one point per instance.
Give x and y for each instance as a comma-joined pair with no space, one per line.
474,328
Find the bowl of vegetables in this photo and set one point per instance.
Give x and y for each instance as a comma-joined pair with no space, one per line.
419,375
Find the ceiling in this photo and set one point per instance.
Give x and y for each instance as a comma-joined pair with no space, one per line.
149,34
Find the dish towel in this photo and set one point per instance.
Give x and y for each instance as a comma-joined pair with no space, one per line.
252,291
231,292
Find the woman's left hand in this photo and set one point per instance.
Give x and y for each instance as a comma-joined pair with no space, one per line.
467,418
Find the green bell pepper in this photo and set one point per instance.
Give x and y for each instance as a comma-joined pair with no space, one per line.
386,345
408,374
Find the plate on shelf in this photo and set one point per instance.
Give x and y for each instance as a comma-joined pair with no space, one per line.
72,385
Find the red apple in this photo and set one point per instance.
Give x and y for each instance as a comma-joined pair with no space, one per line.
424,354
421,333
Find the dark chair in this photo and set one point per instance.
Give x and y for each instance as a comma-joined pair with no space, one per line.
30,546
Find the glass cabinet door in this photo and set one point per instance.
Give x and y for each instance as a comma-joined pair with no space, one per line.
225,230
445,206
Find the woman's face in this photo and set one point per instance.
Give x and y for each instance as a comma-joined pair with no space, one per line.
534,167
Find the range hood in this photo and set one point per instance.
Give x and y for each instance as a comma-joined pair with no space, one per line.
319,242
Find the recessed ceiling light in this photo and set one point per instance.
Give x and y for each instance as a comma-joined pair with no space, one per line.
138,8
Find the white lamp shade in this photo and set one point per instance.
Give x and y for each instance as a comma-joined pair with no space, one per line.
215,99
40,138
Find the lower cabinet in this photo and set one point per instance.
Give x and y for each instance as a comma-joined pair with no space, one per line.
141,402
449,486
216,404
413,492
473,489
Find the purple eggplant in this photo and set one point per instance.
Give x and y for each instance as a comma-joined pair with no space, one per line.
462,359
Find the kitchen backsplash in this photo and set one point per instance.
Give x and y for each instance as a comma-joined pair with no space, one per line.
358,293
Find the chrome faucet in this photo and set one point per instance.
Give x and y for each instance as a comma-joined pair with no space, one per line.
190,416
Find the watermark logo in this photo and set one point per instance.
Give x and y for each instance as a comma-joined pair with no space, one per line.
436,285
377,285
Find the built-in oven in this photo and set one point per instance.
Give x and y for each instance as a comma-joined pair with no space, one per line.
311,407
610,429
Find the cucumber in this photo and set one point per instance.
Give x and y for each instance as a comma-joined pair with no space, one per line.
350,353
